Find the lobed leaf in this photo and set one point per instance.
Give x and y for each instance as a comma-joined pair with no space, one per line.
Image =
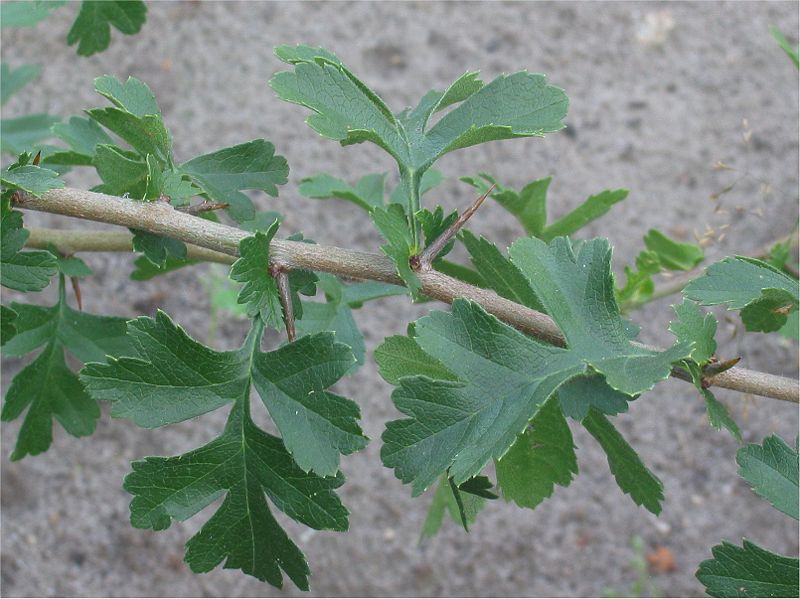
367,193
576,289
22,271
242,464
457,426
631,474
260,293
223,174
765,295
748,571
541,457
498,272
772,470
92,29
693,326
46,387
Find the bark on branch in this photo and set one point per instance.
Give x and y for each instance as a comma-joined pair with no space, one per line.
160,218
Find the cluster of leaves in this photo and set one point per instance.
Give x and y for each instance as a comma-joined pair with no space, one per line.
346,110
474,390
752,571
91,31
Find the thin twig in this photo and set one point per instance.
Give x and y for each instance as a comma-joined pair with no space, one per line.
162,219
429,254
70,241
282,280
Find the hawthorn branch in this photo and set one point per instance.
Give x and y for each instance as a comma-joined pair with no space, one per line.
161,219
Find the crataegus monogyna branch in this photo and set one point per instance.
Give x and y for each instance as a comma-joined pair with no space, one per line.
162,219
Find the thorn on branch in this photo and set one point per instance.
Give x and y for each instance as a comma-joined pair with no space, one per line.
281,277
76,288
715,367
203,207
428,255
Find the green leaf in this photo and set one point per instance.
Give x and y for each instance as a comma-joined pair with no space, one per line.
135,117
122,172
346,110
631,474
772,470
72,266
27,14
174,378
592,209
8,326
46,387
144,269
224,173
242,464
19,134
693,326
357,294
639,283
35,180
92,29
505,376
718,415
158,249
457,426
769,312
83,137
367,192
767,295
791,51
581,393
529,206
434,224
748,571
316,425
335,316
479,486
444,501
576,289
401,356
498,272
13,81
192,379
260,293
541,457
22,271
673,255
393,225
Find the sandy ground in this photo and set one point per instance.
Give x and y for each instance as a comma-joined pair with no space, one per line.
658,95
